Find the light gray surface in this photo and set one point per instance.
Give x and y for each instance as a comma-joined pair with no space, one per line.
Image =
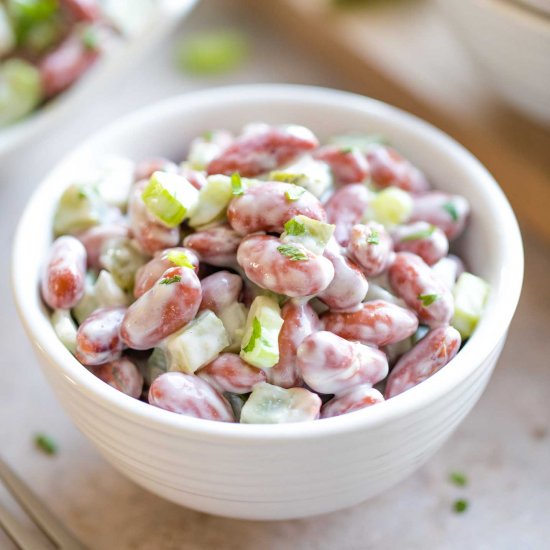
503,446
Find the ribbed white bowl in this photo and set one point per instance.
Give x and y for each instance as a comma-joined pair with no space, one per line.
277,471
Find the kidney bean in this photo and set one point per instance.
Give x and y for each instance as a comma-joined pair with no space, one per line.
389,169
122,374
356,398
189,395
348,165
261,151
448,212
349,287
299,321
147,275
146,168
98,339
165,308
377,323
330,364
63,279
448,270
216,246
219,290
228,372
64,65
150,233
413,280
265,207
82,10
95,239
423,239
370,245
265,265
346,208
431,353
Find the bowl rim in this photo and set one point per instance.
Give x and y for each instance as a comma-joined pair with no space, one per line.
489,333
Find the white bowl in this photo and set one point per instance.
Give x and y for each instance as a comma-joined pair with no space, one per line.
292,470
111,66
511,42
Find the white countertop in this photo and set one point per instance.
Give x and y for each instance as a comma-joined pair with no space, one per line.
503,446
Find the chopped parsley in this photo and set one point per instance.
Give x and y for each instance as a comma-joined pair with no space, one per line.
294,193
293,227
170,280
451,209
346,150
292,252
428,299
179,258
208,135
255,336
373,238
424,234
46,444
460,505
458,479
236,184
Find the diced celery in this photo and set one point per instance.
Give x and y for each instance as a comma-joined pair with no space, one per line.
196,344
65,328
107,291
233,318
260,344
377,292
363,142
88,303
470,294
170,198
114,177
313,175
213,199
122,259
201,153
312,234
390,207
269,404
79,208
7,36
20,90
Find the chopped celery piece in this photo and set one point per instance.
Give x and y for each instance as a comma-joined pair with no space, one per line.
107,291
201,153
196,344
212,53
390,207
213,199
121,258
79,208
113,178
7,36
377,292
260,343
65,328
312,234
269,404
156,365
363,142
88,303
233,318
313,175
20,90
470,294
170,198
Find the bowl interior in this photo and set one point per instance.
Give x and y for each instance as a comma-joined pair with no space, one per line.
491,246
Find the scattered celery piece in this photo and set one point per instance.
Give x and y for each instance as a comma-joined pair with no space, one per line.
390,207
470,293
312,234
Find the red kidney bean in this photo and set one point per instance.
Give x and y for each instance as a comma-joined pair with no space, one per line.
165,308
228,372
63,279
423,239
64,65
150,233
189,395
431,353
358,397
389,168
95,239
259,152
98,337
265,265
330,364
216,246
349,287
448,270
122,374
146,168
83,10
377,323
220,290
370,245
448,212
147,275
347,165
413,281
267,208
346,208
299,321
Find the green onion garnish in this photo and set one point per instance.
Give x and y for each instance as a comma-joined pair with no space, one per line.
292,252
45,443
424,234
460,505
294,193
170,280
451,209
294,227
428,299
236,184
373,238
458,478
256,334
